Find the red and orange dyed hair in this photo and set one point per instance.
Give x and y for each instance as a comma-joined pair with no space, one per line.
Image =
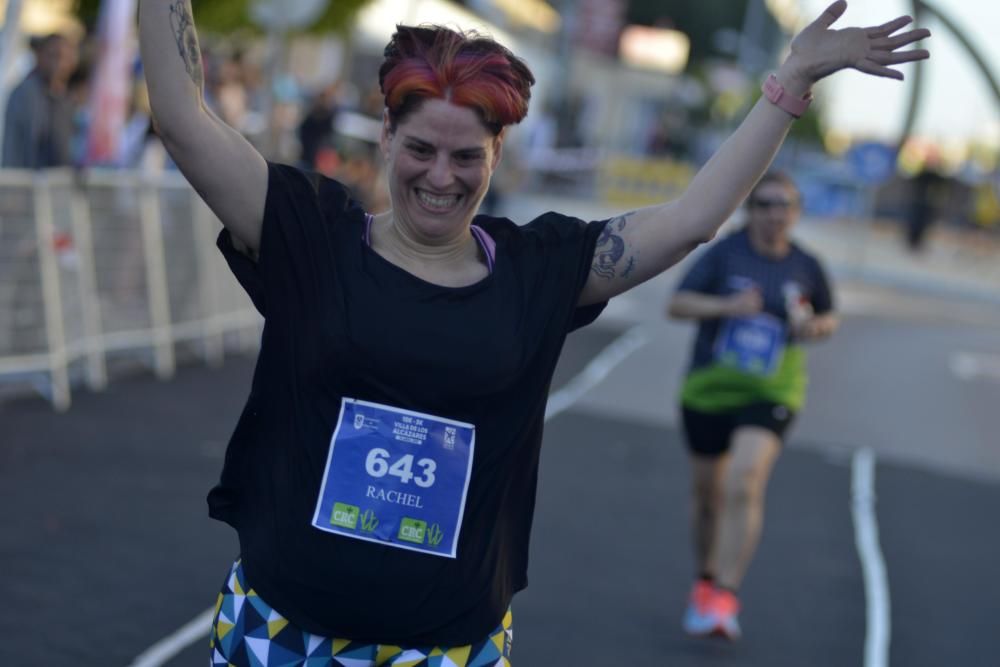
465,68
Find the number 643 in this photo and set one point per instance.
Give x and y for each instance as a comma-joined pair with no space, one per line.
378,464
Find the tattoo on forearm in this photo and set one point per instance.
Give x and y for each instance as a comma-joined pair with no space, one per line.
187,41
611,251
629,268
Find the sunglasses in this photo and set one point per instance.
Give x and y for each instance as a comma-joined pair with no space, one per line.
773,203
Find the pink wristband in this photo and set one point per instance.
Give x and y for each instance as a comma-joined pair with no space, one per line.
776,95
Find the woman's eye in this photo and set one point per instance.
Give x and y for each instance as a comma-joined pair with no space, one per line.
420,151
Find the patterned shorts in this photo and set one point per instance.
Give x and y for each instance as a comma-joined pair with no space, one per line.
247,632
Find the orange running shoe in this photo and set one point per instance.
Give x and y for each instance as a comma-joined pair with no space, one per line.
723,613
697,620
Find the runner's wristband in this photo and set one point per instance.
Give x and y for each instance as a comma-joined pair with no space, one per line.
778,96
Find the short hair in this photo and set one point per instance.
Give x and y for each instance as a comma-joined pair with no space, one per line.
779,177
466,68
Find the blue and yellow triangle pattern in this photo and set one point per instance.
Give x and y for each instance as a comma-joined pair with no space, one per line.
247,632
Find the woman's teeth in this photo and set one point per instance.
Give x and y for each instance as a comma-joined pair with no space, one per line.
437,202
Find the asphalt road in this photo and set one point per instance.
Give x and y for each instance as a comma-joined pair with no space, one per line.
106,546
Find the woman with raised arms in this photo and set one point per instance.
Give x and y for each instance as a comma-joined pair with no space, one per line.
411,350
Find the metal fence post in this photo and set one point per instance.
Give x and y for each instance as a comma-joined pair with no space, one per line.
164,362
90,305
213,340
48,264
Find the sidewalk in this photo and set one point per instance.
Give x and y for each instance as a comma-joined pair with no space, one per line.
959,264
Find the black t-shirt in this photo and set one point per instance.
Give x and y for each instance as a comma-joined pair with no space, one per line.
341,321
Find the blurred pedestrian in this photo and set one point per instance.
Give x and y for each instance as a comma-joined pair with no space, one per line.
382,476
757,296
316,129
927,191
226,94
39,125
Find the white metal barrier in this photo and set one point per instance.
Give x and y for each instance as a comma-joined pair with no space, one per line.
101,268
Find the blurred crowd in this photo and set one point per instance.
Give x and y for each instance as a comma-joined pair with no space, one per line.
332,127
48,117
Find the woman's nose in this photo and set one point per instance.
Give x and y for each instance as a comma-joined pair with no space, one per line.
440,174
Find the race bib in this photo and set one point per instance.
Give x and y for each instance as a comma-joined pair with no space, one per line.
396,477
752,344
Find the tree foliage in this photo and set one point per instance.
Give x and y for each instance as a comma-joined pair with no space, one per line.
224,16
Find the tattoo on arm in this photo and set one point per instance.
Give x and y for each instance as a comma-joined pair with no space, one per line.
610,251
629,268
187,41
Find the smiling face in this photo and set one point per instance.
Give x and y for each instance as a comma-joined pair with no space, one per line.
439,159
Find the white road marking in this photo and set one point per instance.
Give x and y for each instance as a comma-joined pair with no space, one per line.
971,366
168,647
599,367
878,621
595,371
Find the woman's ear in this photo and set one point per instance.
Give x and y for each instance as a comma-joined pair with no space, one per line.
498,148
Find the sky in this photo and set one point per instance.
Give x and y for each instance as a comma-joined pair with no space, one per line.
956,104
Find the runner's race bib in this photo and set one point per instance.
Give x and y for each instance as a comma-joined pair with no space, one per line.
396,477
752,344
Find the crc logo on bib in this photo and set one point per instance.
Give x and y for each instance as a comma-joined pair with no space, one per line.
359,421
344,515
413,530
417,532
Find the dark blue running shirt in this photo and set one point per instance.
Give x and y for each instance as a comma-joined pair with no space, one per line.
732,265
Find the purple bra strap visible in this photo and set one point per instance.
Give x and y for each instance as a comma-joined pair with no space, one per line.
367,236
488,245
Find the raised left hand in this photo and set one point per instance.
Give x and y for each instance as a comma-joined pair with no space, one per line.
819,50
